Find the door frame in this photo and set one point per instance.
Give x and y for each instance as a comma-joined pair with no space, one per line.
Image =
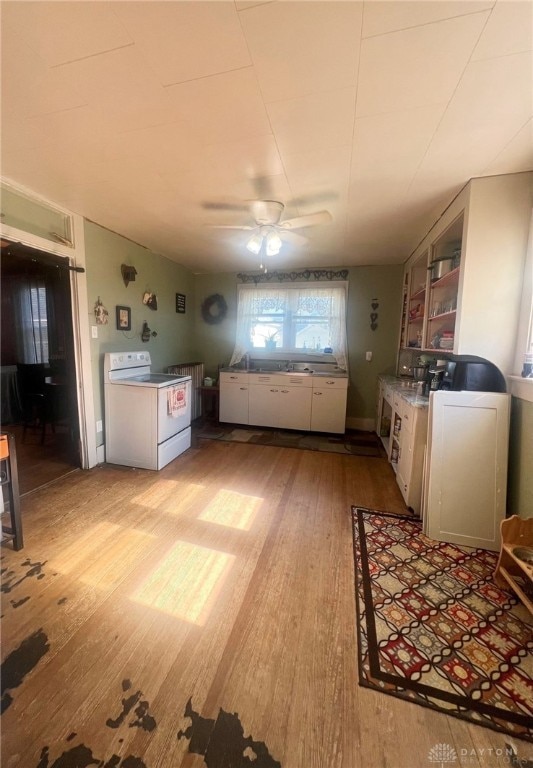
80,314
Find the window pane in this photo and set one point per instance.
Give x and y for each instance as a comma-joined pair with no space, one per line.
311,333
267,330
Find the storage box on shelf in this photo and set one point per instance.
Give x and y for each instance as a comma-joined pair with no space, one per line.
474,254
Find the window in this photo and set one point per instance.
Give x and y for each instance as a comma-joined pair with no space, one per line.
288,319
524,347
31,320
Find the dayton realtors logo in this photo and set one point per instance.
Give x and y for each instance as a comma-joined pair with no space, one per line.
442,754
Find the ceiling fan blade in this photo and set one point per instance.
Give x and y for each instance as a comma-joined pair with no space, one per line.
229,226
292,237
321,217
216,206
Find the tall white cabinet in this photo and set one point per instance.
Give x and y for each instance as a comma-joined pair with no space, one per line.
473,308
466,469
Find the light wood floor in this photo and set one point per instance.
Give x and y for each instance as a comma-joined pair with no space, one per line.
225,579
41,463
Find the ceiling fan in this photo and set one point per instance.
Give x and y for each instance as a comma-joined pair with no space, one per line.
268,229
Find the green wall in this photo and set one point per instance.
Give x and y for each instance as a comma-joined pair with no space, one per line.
105,251
520,487
214,343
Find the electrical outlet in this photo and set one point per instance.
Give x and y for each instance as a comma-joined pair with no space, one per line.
98,426
94,331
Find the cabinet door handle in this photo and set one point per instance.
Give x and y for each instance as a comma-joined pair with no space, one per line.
330,382
242,387
284,391
234,377
317,393
274,390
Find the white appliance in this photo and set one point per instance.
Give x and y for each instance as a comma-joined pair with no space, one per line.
147,415
465,477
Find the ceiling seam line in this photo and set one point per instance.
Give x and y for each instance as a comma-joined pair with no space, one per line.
92,55
459,80
206,77
265,107
428,23
513,137
357,77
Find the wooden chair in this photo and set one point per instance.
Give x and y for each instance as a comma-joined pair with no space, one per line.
11,497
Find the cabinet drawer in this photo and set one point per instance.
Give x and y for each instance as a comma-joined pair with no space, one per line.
326,382
234,377
279,380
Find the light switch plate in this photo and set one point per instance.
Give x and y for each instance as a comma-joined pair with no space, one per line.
368,356
94,331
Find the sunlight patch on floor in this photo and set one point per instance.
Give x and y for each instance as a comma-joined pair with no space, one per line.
187,582
169,495
104,554
232,509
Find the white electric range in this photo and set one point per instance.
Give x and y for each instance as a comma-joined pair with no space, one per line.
147,415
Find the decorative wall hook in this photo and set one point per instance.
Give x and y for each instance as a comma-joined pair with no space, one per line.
147,332
100,313
374,314
150,299
128,274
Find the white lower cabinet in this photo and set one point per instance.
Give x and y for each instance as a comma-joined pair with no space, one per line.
280,401
263,405
297,402
412,446
233,406
406,445
328,406
294,408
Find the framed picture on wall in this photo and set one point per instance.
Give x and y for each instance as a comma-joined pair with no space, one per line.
180,303
123,318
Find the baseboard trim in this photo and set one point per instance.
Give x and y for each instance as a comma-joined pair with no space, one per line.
367,425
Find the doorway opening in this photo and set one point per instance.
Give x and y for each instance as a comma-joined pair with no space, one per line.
39,403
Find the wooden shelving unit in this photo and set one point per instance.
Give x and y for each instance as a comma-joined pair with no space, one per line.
512,571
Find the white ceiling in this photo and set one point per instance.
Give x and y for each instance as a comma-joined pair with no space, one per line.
144,116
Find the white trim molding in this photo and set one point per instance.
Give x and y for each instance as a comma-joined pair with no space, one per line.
80,313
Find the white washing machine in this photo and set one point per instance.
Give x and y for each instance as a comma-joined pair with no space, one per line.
147,415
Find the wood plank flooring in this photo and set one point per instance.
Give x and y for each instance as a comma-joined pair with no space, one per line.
39,464
203,616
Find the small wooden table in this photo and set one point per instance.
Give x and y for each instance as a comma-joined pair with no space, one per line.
512,571
210,402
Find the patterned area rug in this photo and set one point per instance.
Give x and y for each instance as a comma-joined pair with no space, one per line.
433,627
353,443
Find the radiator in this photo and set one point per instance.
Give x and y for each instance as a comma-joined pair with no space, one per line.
196,372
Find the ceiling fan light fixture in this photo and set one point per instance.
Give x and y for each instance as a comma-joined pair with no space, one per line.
273,243
254,244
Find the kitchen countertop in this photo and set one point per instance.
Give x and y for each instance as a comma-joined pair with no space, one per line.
285,372
406,389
